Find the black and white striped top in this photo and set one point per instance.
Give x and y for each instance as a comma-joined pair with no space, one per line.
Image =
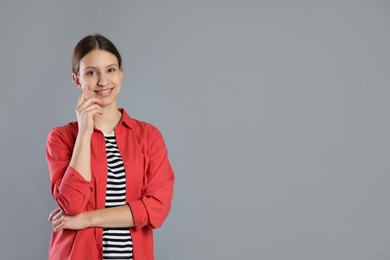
117,242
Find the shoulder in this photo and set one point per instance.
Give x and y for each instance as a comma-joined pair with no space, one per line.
67,133
140,128
143,127
147,134
149,138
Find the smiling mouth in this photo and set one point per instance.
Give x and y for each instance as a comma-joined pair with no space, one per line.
104,92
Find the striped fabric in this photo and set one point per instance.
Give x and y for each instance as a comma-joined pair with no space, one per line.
117,242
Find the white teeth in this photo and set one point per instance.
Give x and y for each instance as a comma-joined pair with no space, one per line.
103,92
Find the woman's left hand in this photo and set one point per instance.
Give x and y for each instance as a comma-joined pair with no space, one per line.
60,220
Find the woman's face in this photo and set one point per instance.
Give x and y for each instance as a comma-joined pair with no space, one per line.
101,75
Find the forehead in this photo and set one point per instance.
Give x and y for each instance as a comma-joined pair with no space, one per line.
98,58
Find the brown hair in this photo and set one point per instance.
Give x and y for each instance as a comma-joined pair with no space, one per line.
89,43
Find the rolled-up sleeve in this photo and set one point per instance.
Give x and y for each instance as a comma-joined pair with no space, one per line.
68,187
154,206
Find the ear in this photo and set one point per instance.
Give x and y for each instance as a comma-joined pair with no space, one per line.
76,81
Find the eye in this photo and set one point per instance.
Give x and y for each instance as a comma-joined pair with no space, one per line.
91,73
111,70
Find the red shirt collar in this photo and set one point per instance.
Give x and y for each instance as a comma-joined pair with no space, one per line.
126,119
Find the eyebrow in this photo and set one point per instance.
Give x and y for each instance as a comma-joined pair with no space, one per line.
92,67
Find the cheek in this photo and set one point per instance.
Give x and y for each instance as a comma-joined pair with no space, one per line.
88,82
118,80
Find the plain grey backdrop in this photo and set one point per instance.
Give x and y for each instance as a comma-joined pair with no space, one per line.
275,114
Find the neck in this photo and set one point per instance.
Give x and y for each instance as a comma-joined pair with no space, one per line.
109,120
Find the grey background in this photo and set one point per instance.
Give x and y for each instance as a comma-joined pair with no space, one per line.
275,114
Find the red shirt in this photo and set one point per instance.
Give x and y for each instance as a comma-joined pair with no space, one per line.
149,186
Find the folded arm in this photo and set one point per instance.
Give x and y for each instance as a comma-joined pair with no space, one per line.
153,207
110,217
150,210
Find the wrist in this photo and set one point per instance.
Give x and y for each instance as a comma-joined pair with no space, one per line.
84,136
86,219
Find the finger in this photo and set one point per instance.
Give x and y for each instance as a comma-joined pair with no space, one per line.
53,213
56,222
85,108
59,226
86,93
57,216
88,102
92,112
83,96
92,109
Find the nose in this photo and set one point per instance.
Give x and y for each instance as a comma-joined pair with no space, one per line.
102,80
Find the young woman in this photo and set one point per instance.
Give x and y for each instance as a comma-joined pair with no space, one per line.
109,173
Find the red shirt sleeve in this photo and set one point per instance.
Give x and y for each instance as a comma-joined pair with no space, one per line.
68,187
153,208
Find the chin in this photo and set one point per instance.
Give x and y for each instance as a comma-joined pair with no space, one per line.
107,103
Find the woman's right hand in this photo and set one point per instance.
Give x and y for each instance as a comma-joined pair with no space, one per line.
86,109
